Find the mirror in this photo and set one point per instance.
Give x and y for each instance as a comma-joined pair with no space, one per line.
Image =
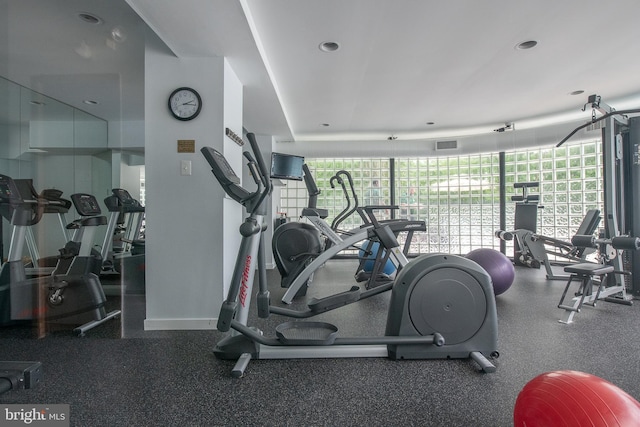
56,146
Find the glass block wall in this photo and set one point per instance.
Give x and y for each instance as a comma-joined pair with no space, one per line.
365,173
458,196
571,180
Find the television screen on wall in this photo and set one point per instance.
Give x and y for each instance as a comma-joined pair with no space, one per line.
286,166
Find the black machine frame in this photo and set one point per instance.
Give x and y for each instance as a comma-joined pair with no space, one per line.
621,178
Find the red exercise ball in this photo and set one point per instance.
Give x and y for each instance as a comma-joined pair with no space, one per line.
572,398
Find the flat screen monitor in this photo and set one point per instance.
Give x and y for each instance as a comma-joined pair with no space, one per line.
286,166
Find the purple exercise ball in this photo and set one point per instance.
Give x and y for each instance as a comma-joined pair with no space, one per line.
498,266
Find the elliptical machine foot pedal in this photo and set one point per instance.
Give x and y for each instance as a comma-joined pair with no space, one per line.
306,333
320,305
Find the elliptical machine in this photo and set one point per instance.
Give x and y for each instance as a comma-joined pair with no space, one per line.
297,245
442,306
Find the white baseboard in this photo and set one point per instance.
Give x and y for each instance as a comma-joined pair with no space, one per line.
179,324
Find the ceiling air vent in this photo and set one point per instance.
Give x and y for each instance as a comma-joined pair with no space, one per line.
446,145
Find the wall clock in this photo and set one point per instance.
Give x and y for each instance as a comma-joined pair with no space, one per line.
185,103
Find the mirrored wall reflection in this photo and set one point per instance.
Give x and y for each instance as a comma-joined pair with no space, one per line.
55,146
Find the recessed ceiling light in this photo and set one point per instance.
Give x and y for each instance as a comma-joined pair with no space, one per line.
89,18
577,92
90,102
529,44
329,46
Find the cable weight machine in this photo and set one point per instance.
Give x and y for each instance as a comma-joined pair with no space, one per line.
621,185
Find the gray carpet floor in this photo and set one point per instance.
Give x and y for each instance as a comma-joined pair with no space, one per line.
173,378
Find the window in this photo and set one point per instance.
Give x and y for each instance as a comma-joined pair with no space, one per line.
458,196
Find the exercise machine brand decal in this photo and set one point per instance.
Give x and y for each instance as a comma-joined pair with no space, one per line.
245,280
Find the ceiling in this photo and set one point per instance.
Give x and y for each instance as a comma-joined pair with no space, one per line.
405,69
44,46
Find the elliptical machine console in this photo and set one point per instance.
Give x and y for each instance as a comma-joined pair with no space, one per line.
442,306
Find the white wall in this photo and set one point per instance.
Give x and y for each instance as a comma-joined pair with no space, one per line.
126,170
125,136
68,133
187,247
10,140
128,134
130,179
232,211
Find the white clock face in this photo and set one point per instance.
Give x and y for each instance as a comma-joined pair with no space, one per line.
185,104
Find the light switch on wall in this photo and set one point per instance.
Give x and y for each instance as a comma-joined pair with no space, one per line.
185,167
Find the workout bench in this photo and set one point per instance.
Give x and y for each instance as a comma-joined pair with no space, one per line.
595,274
585,273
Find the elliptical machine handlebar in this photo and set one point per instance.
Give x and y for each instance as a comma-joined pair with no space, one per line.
348,210
262,167
253,169
312,188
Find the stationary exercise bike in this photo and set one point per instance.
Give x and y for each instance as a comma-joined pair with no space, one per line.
128,259
65,299
442,306
54,204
